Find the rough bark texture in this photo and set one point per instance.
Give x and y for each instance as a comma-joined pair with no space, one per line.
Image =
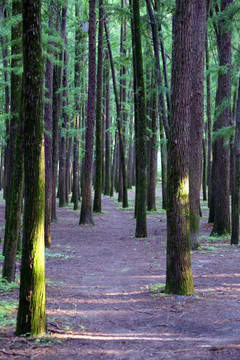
221,156
32,304
86,208
197,112
97,207
107,187
48,112
236,183
141,224
119,124
209,122
179,278
63,129
77,106
16,82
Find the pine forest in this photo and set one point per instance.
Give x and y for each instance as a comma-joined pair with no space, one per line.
119,179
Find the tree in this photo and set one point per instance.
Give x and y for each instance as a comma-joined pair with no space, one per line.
31,317
196,122
221,156
179,278
86,216
97,207
141,149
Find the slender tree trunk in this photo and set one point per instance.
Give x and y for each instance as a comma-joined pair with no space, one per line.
86,216
209,124
163,147
77,106
32,302
108,135
68,164
221,157
197,113
119,124
16,80
141,221
48,112
179,279
97,205
236,183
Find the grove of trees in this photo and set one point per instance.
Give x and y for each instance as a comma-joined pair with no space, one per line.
97,97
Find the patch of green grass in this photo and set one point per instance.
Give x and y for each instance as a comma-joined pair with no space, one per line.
157,288
50,254
6,287
7,316
205,249
127,208
204,207
159,211
214,238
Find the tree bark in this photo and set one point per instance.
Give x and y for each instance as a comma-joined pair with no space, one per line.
179,279
32,302
141,221
97,204
221,158
197,113
86,216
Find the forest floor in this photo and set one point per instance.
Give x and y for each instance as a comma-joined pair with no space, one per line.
104,298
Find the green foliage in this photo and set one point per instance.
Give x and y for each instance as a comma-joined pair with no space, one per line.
225,133
7,313
6,287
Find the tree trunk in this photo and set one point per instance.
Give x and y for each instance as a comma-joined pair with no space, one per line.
108,134
179,278
197,113
32,302
16,82
221,157
141,221
97,205
236,183
86,216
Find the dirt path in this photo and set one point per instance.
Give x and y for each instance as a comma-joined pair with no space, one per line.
101,304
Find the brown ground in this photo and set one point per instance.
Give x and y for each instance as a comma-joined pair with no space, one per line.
101,304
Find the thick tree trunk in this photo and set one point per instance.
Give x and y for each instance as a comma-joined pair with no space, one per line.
197,113
97,205
179,279
32,302
86,216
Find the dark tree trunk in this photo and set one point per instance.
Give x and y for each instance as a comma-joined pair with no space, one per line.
141,221
221,156
108,134
236,183
48,112
163,147
32,302
75,196
86,216
16,80
209,124
204,166
68,164
119,124
197,113
97,205
179,279
152,168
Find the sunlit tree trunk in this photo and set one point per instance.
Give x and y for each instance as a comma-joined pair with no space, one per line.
179,279
32,303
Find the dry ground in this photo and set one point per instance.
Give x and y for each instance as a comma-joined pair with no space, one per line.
104,297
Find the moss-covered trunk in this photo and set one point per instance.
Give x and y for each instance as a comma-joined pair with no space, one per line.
31,317
179,278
